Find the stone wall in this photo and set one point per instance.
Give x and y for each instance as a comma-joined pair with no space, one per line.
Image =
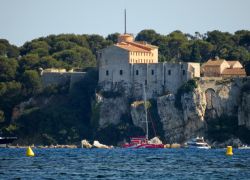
61,78
114,68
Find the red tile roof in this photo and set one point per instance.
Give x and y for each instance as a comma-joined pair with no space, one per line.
234,71
136,46
231,63
211,62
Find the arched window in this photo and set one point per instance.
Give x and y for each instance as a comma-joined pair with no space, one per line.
107,72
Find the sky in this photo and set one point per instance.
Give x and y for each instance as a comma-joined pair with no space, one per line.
24,20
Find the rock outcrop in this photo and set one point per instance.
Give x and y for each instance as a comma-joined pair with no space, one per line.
180,125
111,110
194,106
85,144
97,144
171,118
138,114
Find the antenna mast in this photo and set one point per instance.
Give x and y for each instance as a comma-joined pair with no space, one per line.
125,21
145,108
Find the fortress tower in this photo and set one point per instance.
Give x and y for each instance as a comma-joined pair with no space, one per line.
129,65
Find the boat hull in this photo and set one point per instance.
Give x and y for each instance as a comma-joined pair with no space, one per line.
141,142
198,143
140,146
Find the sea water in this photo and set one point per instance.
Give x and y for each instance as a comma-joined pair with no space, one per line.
124,164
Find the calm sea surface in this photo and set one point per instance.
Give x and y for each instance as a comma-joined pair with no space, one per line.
124,164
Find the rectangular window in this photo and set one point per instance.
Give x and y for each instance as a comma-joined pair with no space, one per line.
107,73
152,72
145,82
183,72
169,72
121,72
137,72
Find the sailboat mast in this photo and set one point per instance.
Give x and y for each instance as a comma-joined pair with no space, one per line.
146,112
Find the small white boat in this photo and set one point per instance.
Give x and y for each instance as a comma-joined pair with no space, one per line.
244,147
198,143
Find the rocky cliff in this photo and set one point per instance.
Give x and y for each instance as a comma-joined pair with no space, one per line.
209,101
111,110
180,125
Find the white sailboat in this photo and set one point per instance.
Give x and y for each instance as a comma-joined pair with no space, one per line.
143,142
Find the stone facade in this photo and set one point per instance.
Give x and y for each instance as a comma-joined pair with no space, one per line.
61,77
117,72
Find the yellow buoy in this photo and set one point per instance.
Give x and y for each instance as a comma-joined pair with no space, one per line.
229,151
29,152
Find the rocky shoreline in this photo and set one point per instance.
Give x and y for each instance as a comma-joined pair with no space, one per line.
236,143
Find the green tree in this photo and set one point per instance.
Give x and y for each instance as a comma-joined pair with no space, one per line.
201,50
32,82
35,47
8,69
50,62
8,50
77,57
96,43
113,37
29,62
63,45
10,95
148,35
3,50
178,45
239,53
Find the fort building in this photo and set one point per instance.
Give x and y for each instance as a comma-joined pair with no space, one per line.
130,65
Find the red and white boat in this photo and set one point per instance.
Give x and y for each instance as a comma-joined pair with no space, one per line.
143,142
